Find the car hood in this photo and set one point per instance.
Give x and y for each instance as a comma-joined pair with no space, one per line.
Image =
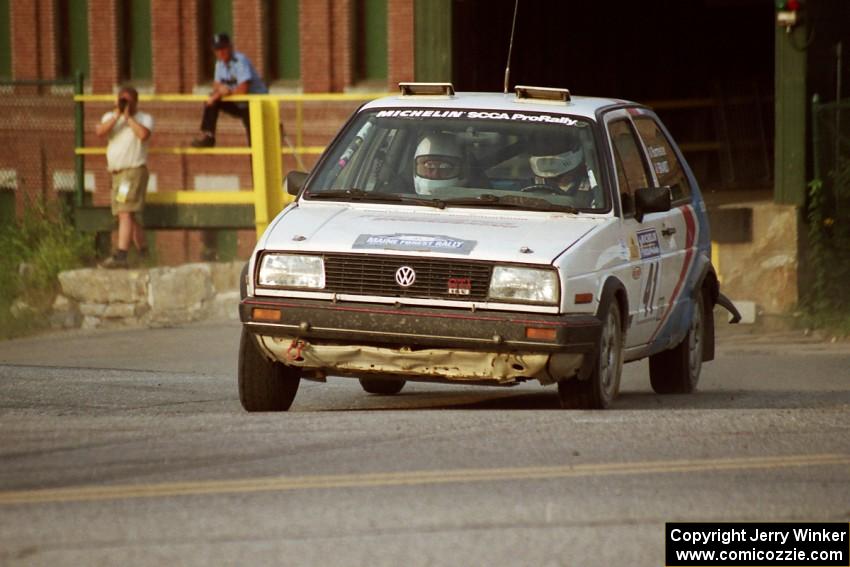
463,233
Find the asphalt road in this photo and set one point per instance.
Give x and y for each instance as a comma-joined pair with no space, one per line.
130,447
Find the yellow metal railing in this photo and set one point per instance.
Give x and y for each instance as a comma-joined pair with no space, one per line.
266,150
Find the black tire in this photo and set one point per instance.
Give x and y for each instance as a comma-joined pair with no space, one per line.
677,371
264,385
382,386
600,389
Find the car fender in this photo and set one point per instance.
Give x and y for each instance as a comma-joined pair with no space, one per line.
612,290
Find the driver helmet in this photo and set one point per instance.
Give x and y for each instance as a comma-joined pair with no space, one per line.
438,163
557,165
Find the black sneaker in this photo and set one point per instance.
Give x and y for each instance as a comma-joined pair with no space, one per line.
114,263
204,141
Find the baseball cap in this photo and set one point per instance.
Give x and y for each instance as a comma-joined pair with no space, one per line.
220,40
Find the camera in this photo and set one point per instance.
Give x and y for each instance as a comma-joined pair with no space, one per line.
122,104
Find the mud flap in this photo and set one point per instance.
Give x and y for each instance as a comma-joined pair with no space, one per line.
727,304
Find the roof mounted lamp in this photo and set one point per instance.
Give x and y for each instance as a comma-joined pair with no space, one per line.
426,89
542,94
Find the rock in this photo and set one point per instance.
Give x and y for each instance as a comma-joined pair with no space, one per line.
225,306
225,275
120,310
765,268
62,303
179,295
93,309
119,323
65,319
96,285
20,309
98,298
65,313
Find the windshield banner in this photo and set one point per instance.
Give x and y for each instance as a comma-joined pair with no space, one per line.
482,115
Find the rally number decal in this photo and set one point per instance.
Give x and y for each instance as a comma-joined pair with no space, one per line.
649,290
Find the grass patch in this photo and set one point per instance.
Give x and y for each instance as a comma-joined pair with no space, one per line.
33,250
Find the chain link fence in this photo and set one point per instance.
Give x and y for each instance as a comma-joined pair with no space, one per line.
829,209
37,136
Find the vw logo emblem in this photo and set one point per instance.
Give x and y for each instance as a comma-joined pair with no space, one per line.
405,276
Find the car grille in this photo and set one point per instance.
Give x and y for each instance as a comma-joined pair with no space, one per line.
435,277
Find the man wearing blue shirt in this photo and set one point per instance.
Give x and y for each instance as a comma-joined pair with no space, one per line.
234,75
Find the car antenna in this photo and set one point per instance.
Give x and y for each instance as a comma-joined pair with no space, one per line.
510,48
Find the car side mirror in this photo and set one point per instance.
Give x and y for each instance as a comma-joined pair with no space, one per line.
295,181
652,200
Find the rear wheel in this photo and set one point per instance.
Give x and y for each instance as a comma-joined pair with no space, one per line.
676,371
382,386
264,385
600,389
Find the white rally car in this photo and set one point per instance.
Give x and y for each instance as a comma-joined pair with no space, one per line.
481,238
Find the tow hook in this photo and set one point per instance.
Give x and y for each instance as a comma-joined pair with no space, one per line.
293,353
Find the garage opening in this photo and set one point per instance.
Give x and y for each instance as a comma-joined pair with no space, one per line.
706,66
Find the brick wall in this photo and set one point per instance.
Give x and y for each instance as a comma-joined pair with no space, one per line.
314,29
189,57
341,45
103,45
326,61
249,31
400,39
167,38
26,40
47,38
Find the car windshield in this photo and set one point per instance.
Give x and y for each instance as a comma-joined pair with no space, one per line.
471,158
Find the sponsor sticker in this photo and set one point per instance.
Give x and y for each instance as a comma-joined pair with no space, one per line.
662,167
648,246
459,286
414,243
657,151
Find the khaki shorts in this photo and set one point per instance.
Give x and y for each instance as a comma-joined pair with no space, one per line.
128,190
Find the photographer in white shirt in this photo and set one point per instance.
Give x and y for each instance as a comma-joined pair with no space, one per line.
128,131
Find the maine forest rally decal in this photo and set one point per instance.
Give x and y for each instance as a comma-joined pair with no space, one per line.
414,243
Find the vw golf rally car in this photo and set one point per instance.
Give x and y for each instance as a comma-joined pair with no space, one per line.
480,238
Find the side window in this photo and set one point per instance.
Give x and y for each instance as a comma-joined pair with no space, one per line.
666,165
631,168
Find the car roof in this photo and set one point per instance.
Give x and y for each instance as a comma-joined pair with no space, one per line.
577,106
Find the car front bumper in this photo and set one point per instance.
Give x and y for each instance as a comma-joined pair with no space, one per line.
423,343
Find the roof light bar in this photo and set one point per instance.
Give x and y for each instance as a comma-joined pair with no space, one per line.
542,93
426,89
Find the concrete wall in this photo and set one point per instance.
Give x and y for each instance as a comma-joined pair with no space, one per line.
94,298
760,269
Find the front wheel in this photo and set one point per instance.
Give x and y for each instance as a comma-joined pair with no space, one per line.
676,371
600,389
264,385
382,386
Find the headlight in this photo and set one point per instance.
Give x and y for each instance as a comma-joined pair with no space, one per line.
525,284
288,270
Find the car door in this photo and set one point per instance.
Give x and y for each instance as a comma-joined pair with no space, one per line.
651,243
679,228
